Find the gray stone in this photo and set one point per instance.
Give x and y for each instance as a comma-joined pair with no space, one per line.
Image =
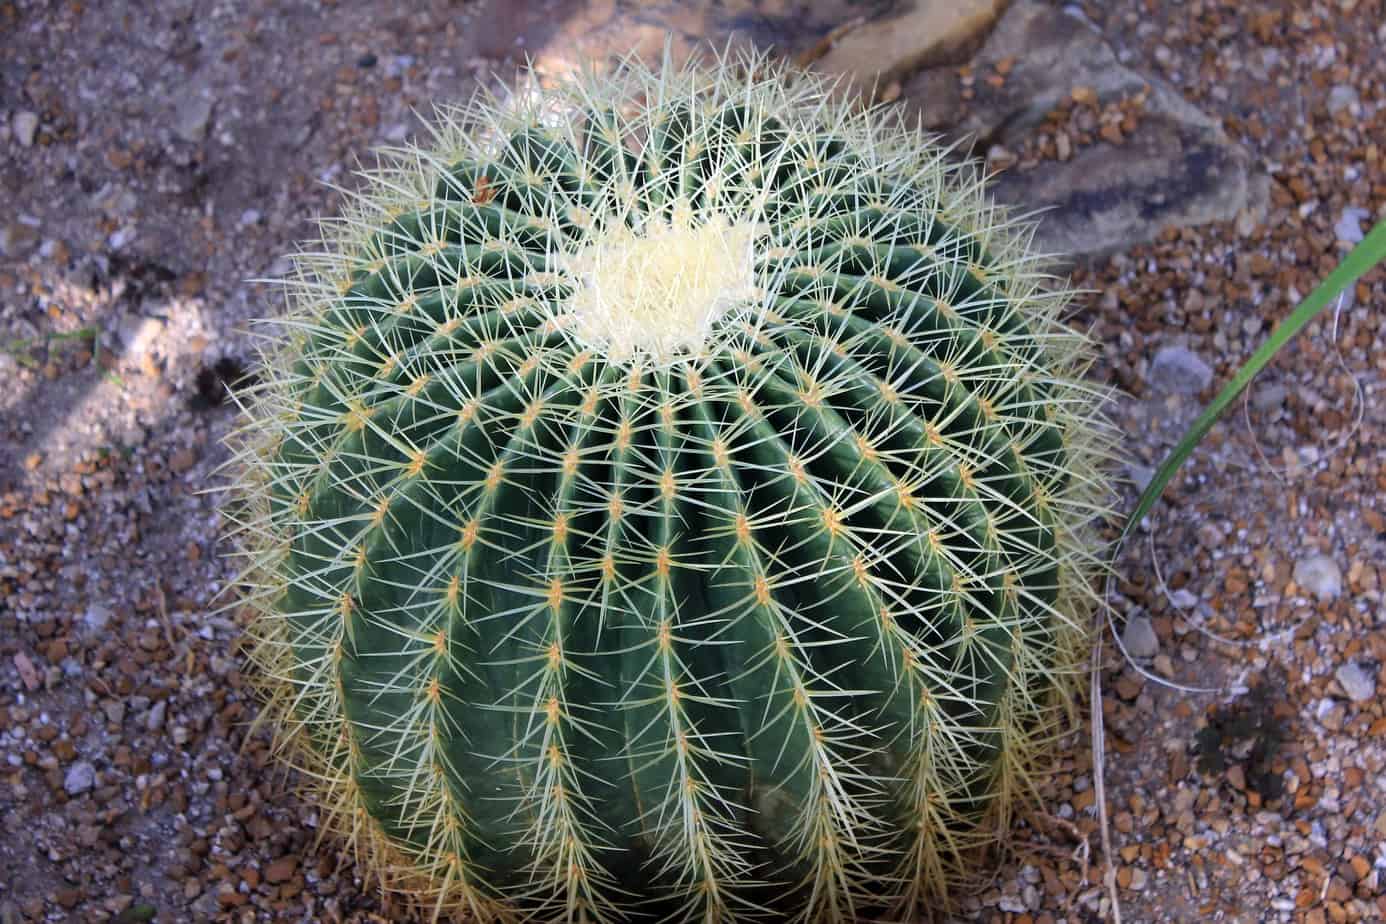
1179,369
1342,96
1140,475
1269,398
1139,638
1177,168
1320,576
1183,599
154,719
1349,226
191,118
80,778
25,127
1358,683
96,617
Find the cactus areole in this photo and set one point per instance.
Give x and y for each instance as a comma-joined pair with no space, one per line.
668,499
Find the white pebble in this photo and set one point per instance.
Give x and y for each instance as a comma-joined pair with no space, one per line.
1357,682
1349,226
1319,575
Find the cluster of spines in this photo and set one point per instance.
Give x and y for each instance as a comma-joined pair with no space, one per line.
360,388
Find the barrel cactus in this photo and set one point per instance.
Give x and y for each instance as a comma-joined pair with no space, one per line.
670,498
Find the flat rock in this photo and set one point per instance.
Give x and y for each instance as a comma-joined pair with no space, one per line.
911,35
602,30
1177,168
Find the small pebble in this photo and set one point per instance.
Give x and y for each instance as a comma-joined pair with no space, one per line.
1179,369
96,617
1349,226
1269,398
1320,576
1357,682
191,119
1140,476
80,778
25,127
1341,97
1139,638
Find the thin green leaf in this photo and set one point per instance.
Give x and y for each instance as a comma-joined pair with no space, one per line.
1365,256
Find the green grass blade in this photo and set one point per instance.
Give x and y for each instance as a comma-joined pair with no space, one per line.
1365,256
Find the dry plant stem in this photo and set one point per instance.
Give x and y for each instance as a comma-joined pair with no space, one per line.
1099,766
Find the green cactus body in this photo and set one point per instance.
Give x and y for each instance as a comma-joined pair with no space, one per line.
670,501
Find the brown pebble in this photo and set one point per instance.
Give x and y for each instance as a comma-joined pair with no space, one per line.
182,460
281,870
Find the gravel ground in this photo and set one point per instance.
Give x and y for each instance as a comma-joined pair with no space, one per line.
153,157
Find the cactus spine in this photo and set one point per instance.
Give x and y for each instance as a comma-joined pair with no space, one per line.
670,499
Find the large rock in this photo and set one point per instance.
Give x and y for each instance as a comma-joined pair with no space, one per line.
1176,168
911,35
599,30
867,42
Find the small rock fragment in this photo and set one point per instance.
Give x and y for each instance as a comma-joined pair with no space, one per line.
80,778
1139,638
25,126
1349,226
1356,681
28,674
1319,575
182,460
1269,398
96,617
1140,475
155,719
1183,599
1341,97
1179,369
191,118
281,870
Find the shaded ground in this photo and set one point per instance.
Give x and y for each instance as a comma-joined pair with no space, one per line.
180,148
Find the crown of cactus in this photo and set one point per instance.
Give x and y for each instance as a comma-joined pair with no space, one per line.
670,500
